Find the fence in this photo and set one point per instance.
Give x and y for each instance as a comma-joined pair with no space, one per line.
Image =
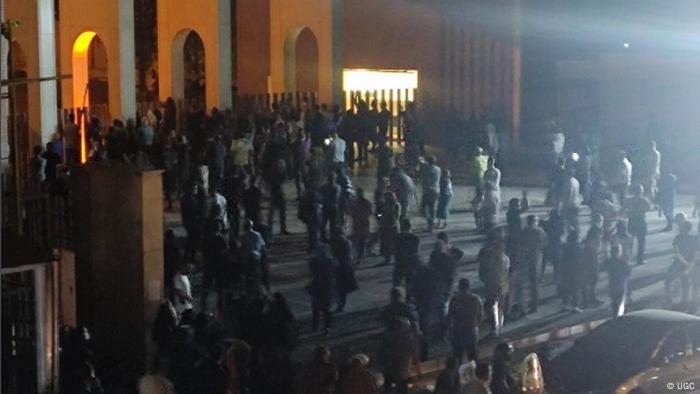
46,220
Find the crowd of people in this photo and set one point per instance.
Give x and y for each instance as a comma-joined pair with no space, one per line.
223,170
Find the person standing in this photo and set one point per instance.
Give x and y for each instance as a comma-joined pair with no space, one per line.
252,249
649,169
251,199
274,159
52,161
494,266
430,180
624,239
182,290
360,212
389,225
407,255
492,174
593,255
324,271
636,208
618,275
38,169
619,176
554,228
533,241
398,355
300,153
338,147
446,193
465,314
310,207
345,281
666,197
71,140
404,189
479,166
489,207
503,379
330,196
570,281
685,247
448,382
569,198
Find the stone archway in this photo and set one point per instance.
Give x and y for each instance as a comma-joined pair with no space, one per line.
301,58
90,88
188,69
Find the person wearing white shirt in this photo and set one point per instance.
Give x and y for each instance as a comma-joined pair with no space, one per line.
620,175
338,146
182,290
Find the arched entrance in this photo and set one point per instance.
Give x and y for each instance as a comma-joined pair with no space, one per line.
301,60
188,69
90,86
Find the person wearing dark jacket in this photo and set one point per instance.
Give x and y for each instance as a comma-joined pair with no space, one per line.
322,374
465,314
448,381
358,379
503,379
192,219
399,308
330,197
310,213
407,256
618,277
324,271
342,251
398,355
569,281
252,200
427,294
171,258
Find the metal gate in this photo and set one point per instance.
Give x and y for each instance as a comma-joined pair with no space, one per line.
19,369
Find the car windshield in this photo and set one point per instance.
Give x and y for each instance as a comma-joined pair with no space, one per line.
610,353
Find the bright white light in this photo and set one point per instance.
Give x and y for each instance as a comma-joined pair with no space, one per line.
626,45
364,80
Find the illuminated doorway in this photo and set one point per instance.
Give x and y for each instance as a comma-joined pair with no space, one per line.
395,87
90,86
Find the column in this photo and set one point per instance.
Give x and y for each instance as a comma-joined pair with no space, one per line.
47,68
4,105
223,42
127,60
337,29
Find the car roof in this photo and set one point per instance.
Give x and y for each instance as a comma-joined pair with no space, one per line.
659,316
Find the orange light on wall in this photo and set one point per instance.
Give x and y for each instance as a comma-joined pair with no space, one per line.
81,94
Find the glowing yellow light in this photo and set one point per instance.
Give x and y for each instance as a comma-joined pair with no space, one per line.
393,83
81,95
379,79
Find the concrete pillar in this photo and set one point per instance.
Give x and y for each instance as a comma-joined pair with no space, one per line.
337,43
223,55
119,258
4,105
127,59
47,68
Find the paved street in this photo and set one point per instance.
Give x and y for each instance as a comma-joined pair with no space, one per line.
358,328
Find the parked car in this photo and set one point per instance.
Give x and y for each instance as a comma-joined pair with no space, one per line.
641,352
